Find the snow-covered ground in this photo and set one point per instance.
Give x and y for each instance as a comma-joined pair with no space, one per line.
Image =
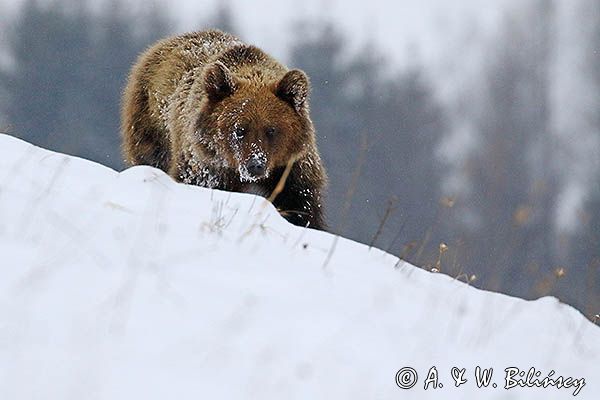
131,286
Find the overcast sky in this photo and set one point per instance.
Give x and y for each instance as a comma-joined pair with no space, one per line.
395,25
430,26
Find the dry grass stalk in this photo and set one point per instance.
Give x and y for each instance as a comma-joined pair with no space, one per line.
364,146
281,183
438,265
390,208
397,236
331,250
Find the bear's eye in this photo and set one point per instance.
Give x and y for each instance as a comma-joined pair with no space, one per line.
239,131
270,131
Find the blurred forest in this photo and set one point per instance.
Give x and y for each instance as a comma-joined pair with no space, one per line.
380,135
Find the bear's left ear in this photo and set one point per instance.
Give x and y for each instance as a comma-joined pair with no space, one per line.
293,88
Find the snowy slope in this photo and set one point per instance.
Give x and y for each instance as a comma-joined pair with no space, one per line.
130,286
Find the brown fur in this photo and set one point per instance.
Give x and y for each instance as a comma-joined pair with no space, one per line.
201,105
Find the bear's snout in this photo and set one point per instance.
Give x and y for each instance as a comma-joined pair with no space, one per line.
256,167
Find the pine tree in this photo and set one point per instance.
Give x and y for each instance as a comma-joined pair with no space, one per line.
377,136
47,47
70,67
513,178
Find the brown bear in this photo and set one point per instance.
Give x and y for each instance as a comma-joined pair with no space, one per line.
212,111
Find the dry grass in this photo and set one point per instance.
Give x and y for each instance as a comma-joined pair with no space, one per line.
458,259
281,183
349,197
391,207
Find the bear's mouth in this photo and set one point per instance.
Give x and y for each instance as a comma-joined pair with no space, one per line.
249,176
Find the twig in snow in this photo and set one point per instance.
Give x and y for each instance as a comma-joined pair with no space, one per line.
331,250
390,208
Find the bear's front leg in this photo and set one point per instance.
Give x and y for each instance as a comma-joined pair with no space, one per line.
300,201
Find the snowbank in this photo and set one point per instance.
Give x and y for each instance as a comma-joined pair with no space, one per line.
130,286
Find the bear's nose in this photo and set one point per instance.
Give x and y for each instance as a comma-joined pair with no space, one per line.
256,167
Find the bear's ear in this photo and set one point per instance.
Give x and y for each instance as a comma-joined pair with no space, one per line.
293,88
218,81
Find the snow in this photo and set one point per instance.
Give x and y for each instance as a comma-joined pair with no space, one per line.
129,285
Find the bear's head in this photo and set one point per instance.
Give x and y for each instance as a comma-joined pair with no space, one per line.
255,124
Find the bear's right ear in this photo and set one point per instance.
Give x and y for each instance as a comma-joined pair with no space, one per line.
218,81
